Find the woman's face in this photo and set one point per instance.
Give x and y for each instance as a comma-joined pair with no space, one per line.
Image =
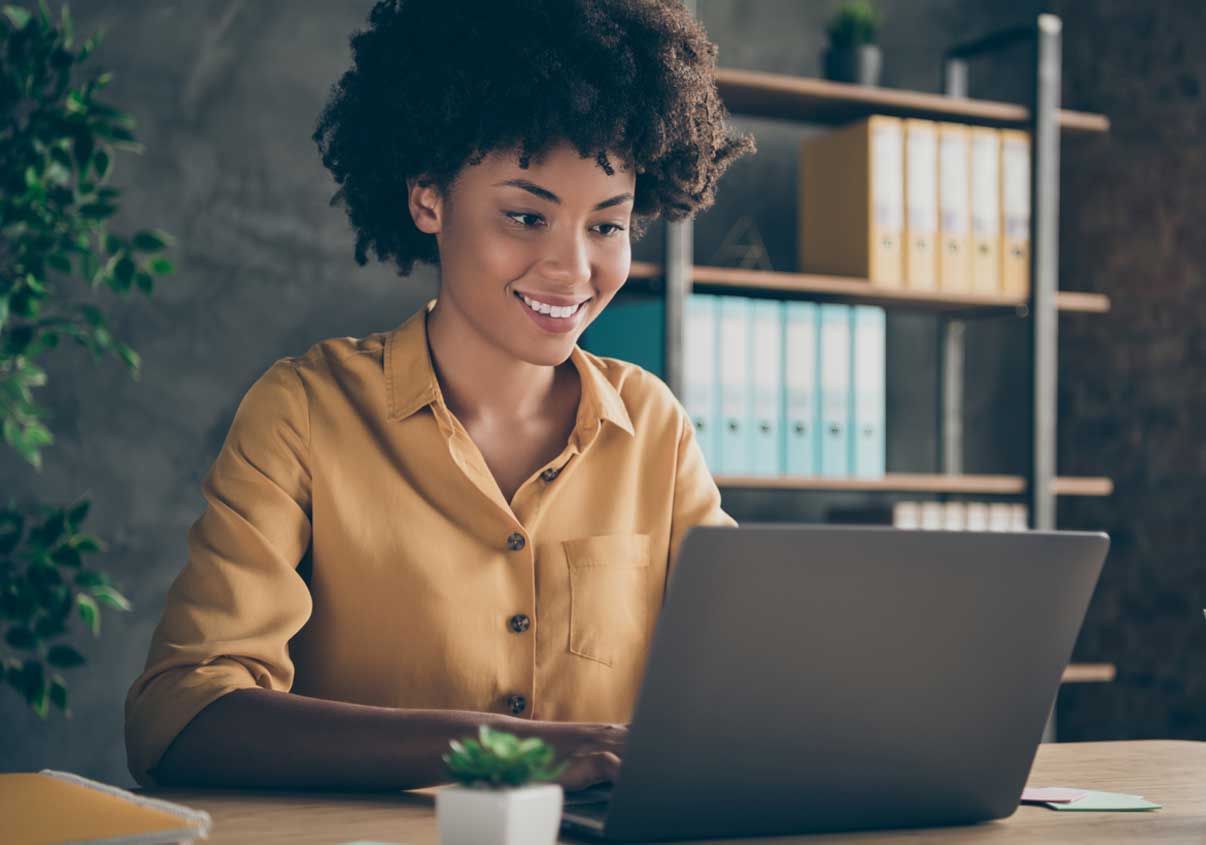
556,233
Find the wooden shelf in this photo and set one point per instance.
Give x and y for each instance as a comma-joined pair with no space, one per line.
1005,485
809,99
850,289
1083,487
1090,673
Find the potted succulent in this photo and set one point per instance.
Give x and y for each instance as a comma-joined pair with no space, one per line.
853,55
497,798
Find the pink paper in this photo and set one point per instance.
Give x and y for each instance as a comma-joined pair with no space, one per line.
1053,794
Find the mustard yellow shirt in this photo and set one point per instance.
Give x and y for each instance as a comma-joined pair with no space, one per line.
355,546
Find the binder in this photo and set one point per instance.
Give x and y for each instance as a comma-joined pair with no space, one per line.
631,328
766,379
801,425
850,200
869,399
834,378
985,209
1015,212
700,394
49,806
733,347
921,204
954,207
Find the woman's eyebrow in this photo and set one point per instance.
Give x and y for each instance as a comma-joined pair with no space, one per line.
544,193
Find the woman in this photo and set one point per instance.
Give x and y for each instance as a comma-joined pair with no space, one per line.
467,519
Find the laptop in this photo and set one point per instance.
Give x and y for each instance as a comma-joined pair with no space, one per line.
807,679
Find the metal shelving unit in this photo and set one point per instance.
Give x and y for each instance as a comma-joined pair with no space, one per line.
821,101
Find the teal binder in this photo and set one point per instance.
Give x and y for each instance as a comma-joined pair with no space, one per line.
700,387
733,348
834,378
766,387
801,419
632,329
869,365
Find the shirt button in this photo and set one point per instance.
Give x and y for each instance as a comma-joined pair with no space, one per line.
520,623
516,703
549,474
515,541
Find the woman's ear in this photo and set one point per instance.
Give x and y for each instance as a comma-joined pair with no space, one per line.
425,204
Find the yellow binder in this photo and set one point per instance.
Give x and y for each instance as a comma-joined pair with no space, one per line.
954,207
921,204
1015,212
851,201
985,209
51,807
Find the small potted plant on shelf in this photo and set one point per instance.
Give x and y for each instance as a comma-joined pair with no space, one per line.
853,55
497,798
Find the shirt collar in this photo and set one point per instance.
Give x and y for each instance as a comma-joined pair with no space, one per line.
411,384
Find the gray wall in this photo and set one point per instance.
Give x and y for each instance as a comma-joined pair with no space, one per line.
1132,382
226,94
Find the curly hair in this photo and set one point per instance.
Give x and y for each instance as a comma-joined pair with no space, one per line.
438,85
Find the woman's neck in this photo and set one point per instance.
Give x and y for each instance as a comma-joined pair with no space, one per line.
481,381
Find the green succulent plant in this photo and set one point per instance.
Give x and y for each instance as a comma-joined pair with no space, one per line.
856,23
58,258
500,760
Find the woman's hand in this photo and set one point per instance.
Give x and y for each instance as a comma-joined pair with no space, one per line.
592,750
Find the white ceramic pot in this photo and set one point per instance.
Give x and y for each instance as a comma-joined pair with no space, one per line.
526,815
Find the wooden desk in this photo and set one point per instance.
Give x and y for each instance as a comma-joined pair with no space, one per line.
1172,773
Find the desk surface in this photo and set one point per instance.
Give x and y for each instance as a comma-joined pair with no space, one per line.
1172,773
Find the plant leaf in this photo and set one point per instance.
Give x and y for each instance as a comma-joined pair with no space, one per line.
89,612
17,15
64,657
111,597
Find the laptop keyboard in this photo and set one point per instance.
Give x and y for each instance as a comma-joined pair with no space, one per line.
582,800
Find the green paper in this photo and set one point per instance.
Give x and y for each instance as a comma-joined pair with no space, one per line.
1107,801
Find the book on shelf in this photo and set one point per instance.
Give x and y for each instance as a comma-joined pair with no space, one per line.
985,210
766,365
850,201
1015,212
801,408
954,209
921,204
772,387
735,388
835,382
961,516
701,397
868,391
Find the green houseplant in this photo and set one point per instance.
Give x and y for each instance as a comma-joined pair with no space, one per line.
57,257
853,54
498,798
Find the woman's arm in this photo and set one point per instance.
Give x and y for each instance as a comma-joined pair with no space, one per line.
267,738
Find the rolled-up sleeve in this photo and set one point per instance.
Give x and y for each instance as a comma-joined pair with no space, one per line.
232,609
696,496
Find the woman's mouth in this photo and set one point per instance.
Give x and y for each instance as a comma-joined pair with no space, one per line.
552,318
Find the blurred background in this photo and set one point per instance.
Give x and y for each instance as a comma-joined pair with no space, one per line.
226,93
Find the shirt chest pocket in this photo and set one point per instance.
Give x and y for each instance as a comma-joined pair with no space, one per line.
609,596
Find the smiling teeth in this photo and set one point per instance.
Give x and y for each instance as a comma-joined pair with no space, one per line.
558,311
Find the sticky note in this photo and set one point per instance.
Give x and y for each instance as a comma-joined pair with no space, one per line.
1118,801
1053,794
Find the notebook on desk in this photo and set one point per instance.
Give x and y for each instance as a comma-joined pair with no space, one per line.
50,807
807,679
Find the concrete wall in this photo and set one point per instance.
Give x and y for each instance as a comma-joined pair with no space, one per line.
226,94
1132,382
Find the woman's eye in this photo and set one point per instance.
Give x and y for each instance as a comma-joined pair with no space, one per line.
514,214
613,232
